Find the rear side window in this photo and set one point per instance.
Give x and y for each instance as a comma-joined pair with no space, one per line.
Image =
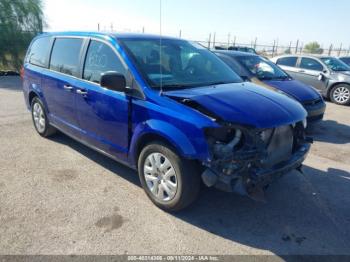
38,52
65,57
310,64
101,58
287,61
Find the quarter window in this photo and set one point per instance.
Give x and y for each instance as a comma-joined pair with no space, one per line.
38,52
310,64
287,61
101,58
65,56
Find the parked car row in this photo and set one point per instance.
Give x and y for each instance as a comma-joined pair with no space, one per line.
264,73
170,109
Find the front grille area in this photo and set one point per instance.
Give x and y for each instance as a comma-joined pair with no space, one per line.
312,102
280,146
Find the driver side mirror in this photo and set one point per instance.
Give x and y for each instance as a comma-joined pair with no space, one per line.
113,81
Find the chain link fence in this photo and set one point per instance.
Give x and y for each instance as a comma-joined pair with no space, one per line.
275,49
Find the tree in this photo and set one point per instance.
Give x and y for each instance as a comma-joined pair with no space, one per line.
313,48
20,21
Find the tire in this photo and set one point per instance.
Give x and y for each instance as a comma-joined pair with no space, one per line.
186,177
40,120
340,94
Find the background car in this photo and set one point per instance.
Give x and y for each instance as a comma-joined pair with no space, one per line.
345,59
328,74
263,72
237,48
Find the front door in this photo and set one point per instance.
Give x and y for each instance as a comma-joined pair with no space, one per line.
102,113
309,72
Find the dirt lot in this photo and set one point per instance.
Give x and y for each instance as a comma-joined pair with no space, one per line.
59,197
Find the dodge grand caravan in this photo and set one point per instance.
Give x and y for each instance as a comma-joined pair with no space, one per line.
168,108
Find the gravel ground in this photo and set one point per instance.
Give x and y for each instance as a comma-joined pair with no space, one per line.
59,197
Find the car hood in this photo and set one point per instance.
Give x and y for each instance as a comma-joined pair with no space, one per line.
243,103
294,88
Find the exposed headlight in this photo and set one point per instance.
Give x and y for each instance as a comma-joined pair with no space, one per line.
305,123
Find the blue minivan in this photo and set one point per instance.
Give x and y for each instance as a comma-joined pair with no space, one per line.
167,107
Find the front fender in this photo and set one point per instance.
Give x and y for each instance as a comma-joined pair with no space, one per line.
177,138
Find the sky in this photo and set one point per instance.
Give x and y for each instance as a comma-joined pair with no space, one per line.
284,21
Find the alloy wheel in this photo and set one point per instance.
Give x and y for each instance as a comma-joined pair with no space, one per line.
39,117
341,94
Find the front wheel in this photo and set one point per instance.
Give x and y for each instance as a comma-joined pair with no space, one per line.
340,94
171,182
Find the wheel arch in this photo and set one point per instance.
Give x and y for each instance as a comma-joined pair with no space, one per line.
330,88
157,130
31,96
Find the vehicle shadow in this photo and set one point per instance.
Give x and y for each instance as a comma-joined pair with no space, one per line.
330,131
305,213
108,163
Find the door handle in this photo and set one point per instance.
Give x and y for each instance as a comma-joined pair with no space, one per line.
68,87
82,92
301,71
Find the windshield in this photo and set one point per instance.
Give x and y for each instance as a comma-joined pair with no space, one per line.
335,64
178,64
262,68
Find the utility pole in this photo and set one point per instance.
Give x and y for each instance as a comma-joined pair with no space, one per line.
180,33
209,41
98,27
296,47
228,40
143,30
214,40
330,49
339,51
111,27
234,41
256,39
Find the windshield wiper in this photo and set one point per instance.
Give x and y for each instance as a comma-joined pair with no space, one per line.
219,83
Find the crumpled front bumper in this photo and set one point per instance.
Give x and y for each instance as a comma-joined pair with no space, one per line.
254,179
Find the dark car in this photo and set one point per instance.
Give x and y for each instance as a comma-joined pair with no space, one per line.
263,72
345,59
151,105
328,74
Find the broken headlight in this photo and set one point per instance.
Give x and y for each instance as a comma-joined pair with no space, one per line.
224,140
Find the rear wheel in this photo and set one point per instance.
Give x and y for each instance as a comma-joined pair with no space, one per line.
171,182
40,120
340,94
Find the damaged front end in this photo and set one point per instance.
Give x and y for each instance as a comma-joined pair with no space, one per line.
246,160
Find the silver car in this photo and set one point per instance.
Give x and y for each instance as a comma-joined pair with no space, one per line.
328,74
